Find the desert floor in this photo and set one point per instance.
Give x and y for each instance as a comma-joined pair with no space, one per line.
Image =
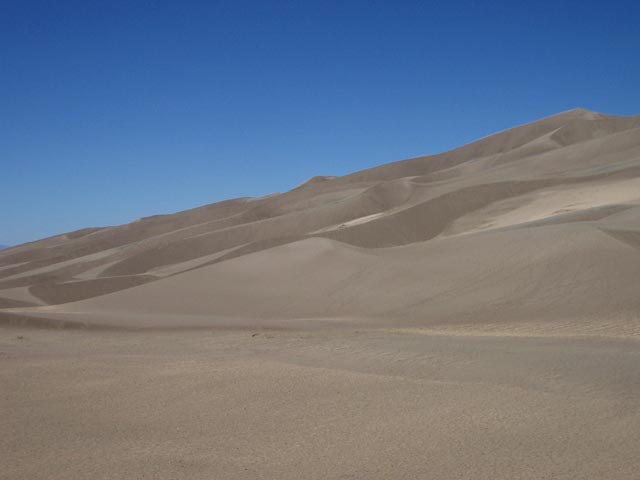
316,403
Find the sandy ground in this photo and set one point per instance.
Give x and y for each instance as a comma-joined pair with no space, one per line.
330,403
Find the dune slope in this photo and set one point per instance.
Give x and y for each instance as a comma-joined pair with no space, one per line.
533,229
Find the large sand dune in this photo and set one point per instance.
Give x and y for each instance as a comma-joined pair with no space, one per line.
468,315
533,225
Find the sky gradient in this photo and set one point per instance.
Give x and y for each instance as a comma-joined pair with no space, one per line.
110,111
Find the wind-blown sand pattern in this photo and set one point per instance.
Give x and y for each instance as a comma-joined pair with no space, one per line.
472,314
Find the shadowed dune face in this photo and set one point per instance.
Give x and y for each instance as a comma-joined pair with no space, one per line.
533,229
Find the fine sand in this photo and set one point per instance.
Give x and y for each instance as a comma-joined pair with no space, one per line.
468,315
316,404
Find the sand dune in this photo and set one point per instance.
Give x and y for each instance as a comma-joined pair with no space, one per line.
539,203
472,314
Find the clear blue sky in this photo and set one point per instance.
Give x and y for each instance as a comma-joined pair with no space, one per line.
113,110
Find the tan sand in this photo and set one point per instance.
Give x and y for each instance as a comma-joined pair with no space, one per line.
316,404
472,314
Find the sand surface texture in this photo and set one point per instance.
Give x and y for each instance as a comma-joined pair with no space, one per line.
472,314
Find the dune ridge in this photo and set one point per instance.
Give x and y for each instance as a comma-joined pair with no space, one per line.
535,225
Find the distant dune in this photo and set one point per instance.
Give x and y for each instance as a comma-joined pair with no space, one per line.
533,229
